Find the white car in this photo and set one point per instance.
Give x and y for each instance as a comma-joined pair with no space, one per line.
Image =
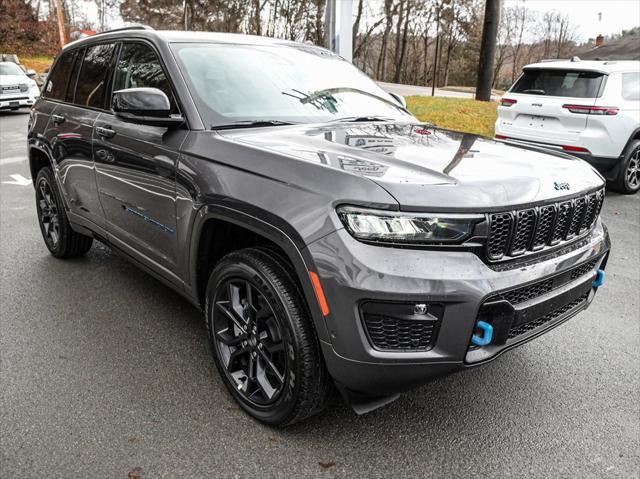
590,109
17,89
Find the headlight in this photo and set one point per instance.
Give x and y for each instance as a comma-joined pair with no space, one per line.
414,228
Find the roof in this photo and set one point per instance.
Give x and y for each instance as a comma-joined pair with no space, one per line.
627,48
591,65
175,36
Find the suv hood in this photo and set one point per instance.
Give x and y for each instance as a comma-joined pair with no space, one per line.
426,168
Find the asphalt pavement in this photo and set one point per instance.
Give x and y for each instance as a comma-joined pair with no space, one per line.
106,373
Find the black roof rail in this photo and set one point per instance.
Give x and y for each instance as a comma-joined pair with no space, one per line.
123,29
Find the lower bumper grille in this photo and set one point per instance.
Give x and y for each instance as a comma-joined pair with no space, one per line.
396,326
514,332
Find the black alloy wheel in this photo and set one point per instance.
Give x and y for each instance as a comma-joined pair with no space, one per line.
263,338
48,213
60,238
249,341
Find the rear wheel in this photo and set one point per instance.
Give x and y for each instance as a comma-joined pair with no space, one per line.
264,343
57,233
628,180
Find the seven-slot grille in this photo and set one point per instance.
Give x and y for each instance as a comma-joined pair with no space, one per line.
515,232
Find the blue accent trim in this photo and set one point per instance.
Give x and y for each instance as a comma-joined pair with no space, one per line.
150,220
487,335
600,278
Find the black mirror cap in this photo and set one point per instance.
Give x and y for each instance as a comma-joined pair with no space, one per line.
148,106
141,102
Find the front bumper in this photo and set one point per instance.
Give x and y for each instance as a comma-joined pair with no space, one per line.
353,273
17,101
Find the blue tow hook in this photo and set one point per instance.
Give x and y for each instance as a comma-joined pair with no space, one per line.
600,277
487,334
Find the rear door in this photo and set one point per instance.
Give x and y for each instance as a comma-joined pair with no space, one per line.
539,111
71,130
136,167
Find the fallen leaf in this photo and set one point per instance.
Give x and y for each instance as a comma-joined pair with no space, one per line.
327,465
135,473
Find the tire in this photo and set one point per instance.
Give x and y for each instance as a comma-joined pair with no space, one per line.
57,233
628,180
270,326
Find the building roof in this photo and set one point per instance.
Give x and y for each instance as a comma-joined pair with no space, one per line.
627,48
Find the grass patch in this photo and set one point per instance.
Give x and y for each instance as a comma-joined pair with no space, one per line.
460,114
38,63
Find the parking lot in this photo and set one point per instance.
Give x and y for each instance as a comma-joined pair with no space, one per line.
105,372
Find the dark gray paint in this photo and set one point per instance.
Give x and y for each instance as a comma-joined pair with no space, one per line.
285,182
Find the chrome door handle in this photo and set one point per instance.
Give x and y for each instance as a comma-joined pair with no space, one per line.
105,131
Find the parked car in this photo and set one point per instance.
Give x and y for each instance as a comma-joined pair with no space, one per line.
590,109
17,87
330,238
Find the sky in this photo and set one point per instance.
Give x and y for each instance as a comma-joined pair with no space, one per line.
617,15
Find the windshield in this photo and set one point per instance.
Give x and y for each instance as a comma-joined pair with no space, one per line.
9,68
291,84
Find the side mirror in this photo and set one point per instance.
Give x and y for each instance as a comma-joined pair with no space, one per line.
31,73
400,99
145,106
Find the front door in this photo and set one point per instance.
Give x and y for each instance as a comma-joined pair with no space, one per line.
136,167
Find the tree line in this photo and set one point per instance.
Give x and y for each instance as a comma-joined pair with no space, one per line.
418,42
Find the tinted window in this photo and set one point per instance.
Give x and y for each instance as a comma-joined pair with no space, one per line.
576,84
59,77
92,81
139,66
631,86
73,78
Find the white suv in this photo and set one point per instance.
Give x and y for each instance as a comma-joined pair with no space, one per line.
17,88
590,109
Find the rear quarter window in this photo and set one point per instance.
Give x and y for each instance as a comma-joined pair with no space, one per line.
631,86
554,82
59,77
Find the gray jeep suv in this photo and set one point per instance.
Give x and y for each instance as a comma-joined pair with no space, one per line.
331,239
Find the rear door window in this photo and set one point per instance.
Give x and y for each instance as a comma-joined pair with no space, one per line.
631,86
554,82
92,81
59,77
73,78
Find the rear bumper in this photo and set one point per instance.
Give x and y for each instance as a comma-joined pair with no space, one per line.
353,273
606,165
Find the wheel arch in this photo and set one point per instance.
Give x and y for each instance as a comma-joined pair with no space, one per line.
219,219
38,159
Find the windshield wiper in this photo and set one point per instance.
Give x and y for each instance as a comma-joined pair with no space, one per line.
362,118
535,91
250,124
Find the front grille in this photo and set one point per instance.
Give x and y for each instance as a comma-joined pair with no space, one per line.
392,334
513,233
532,291
536,323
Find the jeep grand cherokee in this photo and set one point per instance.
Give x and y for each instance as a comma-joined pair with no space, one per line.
331,239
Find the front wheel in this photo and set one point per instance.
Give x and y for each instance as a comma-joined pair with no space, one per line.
628,180
263,340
